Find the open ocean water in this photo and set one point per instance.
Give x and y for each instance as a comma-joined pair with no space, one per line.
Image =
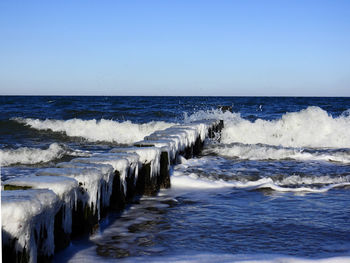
275,188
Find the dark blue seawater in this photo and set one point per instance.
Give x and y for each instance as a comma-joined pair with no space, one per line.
276,186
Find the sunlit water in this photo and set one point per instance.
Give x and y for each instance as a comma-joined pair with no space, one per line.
274,189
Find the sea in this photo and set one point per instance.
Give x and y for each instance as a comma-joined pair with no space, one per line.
274,186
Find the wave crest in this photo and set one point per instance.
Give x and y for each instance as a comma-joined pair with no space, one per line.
312,127
266,152
26,155
98,130
187,176
294,184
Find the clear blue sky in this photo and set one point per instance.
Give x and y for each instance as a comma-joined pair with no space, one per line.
175,47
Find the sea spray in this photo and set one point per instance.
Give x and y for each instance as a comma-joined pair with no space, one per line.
98,130
312,127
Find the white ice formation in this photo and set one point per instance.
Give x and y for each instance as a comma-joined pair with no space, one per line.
25,214
147,155
90,180
65,188
106,171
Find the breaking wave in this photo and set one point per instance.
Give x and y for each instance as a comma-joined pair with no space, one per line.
312,127
294,184
266,152
97,130
26,155
183,179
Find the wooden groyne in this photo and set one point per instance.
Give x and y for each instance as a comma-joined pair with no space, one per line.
43,212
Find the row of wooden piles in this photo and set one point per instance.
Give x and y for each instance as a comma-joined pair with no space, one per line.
43,212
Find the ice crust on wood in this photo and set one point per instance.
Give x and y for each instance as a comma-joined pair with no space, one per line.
179,137
147,155
107,173
89,179
65,188
26,213
133,159
165,145
119,164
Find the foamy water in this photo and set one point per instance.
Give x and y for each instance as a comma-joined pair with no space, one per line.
311,134
266,152
26,155
209,258
183,178
98,130
275,188
312,127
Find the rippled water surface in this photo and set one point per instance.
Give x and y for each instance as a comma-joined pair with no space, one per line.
275,188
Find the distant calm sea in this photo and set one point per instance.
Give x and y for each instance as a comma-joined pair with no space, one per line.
276,188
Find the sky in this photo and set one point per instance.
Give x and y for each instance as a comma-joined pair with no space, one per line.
175,47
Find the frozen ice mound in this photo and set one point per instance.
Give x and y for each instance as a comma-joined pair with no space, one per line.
27,218
107,172
146,155
65,188
79,190
90,180
165,145
116,162
179,137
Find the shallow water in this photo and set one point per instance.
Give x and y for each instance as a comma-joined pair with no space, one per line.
274,189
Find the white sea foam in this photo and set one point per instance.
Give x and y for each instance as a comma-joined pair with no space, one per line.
312,127
26,155
98,130
266,152
182,179
194,181
301,189
89,255
313,180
